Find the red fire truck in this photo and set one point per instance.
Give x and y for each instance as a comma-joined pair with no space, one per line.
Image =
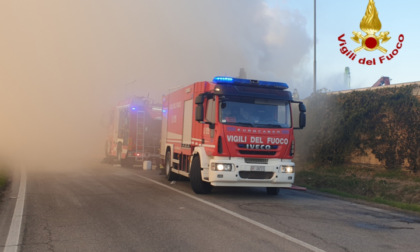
230,132
134,132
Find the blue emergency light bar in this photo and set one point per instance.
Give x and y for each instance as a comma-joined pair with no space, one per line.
230,80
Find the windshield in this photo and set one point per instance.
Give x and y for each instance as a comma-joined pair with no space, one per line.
256,113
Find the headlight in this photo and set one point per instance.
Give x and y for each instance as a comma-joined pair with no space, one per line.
287,169
221,167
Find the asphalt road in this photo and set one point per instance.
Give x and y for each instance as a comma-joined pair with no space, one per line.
102,207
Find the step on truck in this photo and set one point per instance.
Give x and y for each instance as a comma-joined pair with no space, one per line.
230,132
134,132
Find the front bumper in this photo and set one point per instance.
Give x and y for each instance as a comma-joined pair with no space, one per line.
251,172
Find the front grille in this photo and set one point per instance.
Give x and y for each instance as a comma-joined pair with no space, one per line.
249,152
255,175
256,160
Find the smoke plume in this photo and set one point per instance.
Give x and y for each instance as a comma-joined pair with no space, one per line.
64,64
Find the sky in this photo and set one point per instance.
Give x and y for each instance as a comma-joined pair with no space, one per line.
65,63
335,18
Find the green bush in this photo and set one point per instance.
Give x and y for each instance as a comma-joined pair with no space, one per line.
4,178
3,181
384,120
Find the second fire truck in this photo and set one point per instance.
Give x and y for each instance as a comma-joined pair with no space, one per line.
134,132
230,132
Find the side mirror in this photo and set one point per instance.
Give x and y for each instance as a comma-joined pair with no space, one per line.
302,119
199,99
302,107
199,112
302,115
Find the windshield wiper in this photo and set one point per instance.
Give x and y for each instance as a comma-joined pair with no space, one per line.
244,124
270,125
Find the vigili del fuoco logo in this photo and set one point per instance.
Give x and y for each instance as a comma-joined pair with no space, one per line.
369,41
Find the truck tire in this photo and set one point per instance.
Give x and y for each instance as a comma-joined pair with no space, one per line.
169,173
198,185
273,190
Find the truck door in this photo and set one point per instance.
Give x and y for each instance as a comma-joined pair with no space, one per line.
209,127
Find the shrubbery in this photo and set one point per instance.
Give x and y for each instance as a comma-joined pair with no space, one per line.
385,121
3,178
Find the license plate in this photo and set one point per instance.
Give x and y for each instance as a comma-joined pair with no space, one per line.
257,168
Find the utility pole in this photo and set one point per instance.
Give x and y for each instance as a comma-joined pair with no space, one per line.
314,46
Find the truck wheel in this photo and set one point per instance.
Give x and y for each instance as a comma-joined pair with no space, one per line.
169,173
273,190
198,185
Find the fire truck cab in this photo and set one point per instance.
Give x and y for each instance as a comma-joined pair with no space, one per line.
230,132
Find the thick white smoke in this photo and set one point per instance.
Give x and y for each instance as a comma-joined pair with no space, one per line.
65,63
